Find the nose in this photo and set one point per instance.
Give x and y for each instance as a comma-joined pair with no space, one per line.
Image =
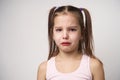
65,35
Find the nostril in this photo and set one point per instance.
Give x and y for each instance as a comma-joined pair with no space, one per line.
65,36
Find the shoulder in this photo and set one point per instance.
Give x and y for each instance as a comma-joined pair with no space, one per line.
95,63
42,66
42,71
97,70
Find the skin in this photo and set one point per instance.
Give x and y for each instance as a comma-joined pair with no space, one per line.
67,29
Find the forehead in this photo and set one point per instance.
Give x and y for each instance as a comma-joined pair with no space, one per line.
66,19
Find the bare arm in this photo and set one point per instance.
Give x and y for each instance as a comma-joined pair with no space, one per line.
41,75
97,70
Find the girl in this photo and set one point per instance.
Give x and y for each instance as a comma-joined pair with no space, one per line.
71,49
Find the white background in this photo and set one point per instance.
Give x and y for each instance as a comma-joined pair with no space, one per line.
24,41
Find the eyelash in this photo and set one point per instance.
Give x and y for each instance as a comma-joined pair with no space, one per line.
71,29
58,30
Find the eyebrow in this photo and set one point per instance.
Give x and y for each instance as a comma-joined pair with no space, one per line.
67,27
73,26
57,26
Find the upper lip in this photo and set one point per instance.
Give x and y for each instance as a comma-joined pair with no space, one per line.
65,43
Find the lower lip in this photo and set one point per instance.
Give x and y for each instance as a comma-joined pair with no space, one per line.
65,44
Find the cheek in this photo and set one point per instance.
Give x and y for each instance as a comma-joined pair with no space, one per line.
76,37
56,37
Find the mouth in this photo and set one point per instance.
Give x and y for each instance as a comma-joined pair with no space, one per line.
65,43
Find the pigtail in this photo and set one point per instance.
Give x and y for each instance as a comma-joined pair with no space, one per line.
87,33
50,32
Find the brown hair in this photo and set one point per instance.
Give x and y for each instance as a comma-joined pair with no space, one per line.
86,44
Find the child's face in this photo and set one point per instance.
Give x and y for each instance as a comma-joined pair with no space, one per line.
66,32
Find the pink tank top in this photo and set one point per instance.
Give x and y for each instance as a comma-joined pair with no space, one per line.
82,73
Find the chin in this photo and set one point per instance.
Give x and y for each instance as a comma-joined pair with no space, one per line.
67,50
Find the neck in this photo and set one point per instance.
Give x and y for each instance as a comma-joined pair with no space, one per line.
69,55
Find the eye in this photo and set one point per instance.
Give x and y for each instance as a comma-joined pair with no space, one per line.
58,30
73,29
